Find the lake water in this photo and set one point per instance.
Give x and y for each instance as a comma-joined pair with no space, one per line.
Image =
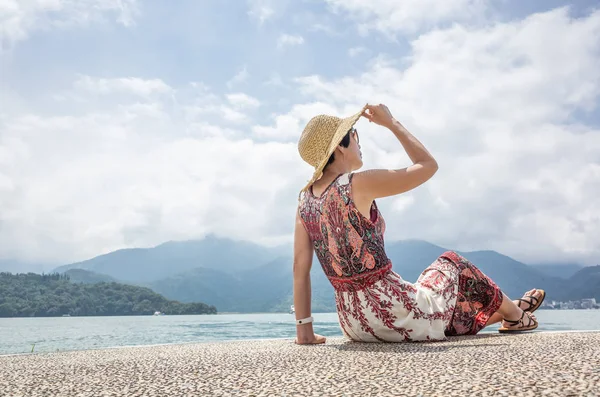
17,335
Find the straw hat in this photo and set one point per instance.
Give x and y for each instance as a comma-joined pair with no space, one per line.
320,137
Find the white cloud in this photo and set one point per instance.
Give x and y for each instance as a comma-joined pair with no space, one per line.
129,85
242,101
495,106
286,40
222,112
130,162
240,77
289,126
392,16
19,18
202,129
402,203
325,28
261,10
356,51
231,114
275,80
204,107
76,186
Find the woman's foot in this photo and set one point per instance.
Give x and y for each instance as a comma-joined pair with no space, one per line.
531,300
527,322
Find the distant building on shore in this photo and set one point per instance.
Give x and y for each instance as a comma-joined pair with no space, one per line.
589,303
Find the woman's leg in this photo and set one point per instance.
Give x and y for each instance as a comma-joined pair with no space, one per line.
496,317
478,297
509,310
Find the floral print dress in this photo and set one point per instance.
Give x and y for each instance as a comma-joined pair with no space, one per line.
450,297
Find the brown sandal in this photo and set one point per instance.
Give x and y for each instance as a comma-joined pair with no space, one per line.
529,300
531,324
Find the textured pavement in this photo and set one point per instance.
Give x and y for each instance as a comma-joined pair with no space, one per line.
534,364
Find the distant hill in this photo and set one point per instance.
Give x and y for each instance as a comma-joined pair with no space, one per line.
585,284
269,288
201,284
48,295
253,290
243,277
88,277
410,257
563,271
143,265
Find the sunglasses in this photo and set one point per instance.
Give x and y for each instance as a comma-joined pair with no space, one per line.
354,132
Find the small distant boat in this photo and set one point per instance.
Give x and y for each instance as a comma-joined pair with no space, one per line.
158,314
66,315
292,309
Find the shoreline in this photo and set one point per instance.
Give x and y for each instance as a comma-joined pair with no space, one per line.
243,313
552,363
152,345
283,338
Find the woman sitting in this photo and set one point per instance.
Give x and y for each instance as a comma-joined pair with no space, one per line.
338,219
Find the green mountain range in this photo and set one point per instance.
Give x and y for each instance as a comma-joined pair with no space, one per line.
88,277
48,295
243,277
141,265
585,284
561,270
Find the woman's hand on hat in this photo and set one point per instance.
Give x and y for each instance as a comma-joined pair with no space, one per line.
378,114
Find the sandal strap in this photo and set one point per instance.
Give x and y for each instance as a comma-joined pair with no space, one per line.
530,301
530,321
515,322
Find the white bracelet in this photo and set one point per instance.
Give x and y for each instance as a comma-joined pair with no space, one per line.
305,320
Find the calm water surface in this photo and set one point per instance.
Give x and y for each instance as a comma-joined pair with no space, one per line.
18,335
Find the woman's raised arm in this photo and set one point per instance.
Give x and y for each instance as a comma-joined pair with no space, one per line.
372,184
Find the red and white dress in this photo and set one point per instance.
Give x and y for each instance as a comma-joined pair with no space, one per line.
451,296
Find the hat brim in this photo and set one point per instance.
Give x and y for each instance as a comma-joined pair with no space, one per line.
340,132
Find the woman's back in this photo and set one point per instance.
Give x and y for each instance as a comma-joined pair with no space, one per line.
373,302
349,245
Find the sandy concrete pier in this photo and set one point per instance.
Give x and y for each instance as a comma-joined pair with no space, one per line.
536,364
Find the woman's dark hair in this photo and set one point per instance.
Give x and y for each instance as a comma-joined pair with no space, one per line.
344,143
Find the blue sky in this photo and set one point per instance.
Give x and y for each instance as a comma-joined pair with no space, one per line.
128,123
